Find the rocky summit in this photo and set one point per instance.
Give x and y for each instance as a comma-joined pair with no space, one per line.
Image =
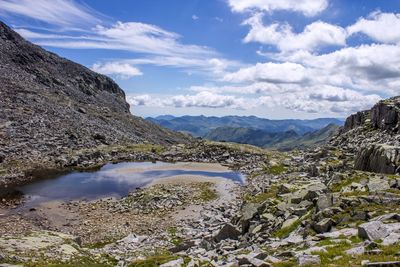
51,106
336,204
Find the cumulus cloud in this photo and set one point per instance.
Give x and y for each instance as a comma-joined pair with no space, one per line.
306,7
315,35
203,99
381,27
286,72
122,70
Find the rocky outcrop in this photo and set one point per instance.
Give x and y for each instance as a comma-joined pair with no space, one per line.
378,158
51,106
355,120
386,115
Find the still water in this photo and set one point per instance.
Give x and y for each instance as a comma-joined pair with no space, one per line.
115,180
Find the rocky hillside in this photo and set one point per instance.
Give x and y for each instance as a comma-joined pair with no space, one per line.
51,106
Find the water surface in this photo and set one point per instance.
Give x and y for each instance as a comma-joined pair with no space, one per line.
114,180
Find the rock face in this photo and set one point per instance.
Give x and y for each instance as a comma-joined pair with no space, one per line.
378,158
50,105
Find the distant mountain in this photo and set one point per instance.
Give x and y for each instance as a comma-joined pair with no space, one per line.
200,126
282,140
308,140
250,136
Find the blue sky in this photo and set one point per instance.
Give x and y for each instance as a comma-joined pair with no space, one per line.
274,59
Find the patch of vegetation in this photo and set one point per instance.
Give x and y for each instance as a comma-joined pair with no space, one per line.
174,238
276,169
76,262
285,264
336,255
155,260
355,178
285,232
207,193
261,197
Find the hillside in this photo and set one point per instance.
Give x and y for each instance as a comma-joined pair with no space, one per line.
280,140
51,106
200,126
249,136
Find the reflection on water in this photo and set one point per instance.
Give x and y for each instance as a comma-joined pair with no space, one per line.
111,180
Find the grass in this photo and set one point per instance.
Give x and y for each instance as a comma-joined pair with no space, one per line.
259,198
276,169
285,232
76,262
336,256
206,192
155,260
174,238
355,178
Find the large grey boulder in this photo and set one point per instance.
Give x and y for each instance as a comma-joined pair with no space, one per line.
228,231
374,230
324,201
377,184
323,226
308,260
378,158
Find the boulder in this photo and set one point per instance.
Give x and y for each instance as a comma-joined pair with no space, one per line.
323,226
308,260
175,263
392,238
249,211
378,158
377,184
324,201
373,230
289,222
228,231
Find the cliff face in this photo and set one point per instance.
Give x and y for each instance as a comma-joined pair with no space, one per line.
51,106
373,136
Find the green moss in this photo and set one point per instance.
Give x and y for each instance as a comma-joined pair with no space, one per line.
154,260
276,169
261,197
77,262
285,232
174,238
206,192
355,178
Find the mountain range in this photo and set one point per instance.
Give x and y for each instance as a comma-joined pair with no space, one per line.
281,134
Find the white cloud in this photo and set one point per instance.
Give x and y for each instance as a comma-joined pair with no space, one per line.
202,100
122,70
306,7
382,27
56,12
195,17
270,72
315,35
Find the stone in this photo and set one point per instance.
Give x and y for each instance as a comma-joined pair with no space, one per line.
377,184
323,226
289,222
392,238
382,264
360,250
342,232
228,231
374,230
284,189
249,211
308,260
174,263
378,158
324,201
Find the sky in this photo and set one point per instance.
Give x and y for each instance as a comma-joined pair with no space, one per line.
273,59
